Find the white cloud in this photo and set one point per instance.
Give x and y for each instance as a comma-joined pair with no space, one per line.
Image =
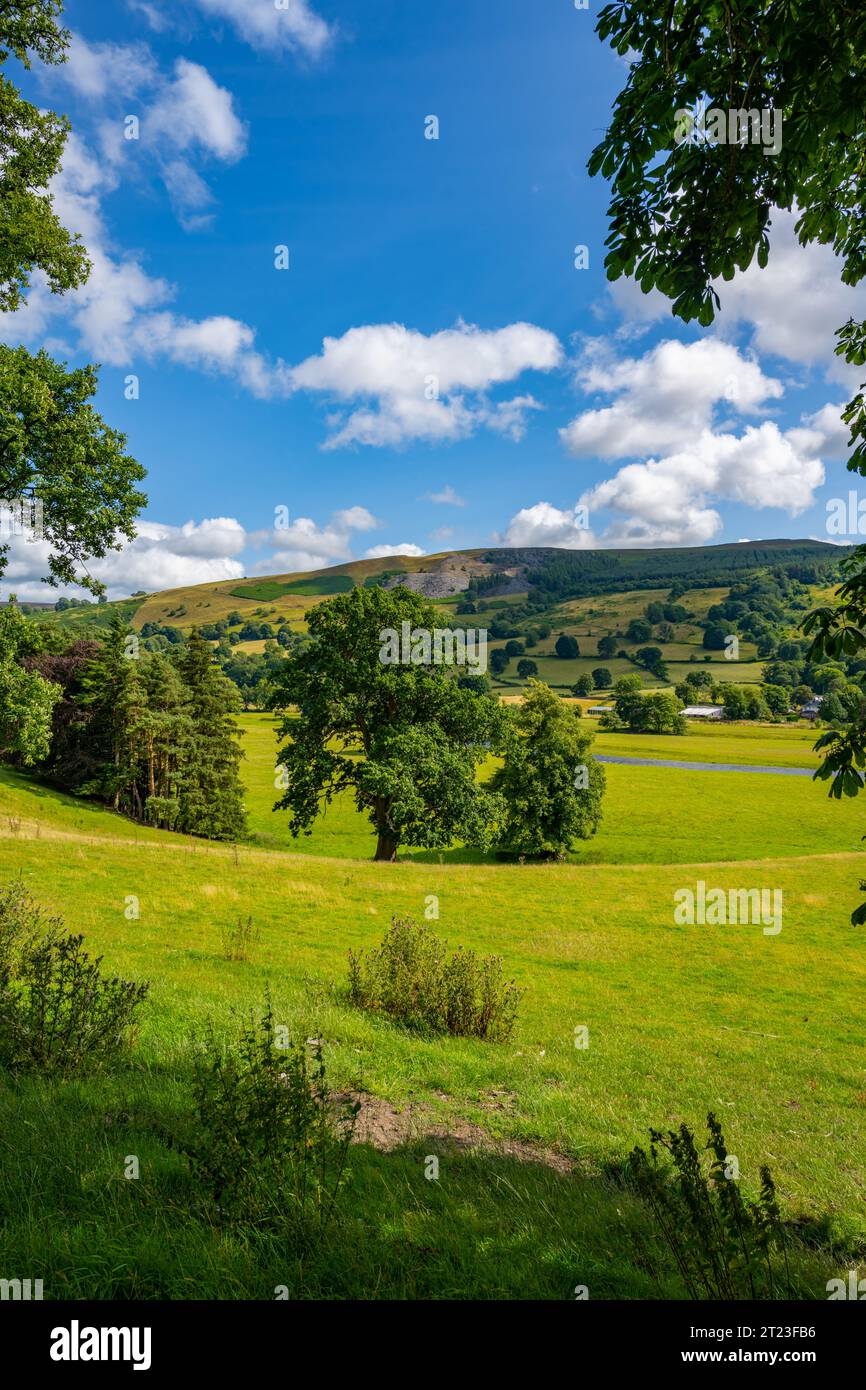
381,552
185,116
447,497
153,17
546,525
356,519
303,545
170,557
667,501
792,307
796,303
193,110
665,398
397,370
160,557
823,433
94,70
275,24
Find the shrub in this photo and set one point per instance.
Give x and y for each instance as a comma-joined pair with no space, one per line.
725,1246
239,938
412,978
269,1148
58,1013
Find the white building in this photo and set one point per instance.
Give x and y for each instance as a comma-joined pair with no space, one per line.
704,711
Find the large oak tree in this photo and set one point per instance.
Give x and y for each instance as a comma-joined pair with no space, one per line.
406,739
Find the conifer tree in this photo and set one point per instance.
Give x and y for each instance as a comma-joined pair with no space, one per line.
210,792
112,692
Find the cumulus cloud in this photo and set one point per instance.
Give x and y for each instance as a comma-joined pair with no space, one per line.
120,313
304,545
413,386
792,307
546,525
823,433
681,413
199,552
160,557
667,501
664,398
356,519
381,552
275,24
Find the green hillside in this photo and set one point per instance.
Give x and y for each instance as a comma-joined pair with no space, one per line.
530,1135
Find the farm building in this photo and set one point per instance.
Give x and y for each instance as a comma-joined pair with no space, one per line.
812,708
599,710
704,711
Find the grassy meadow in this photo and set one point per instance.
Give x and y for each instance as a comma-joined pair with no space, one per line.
530,1134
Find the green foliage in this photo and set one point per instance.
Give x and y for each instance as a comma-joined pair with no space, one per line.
269,1145
725,1246
527,667
601,678
238,939
638,630
264,590
412,979
56,448
32,142
583,685
58,1012
421,735
684,215
560,574
209,794
566,647
550,785
656,713
27,700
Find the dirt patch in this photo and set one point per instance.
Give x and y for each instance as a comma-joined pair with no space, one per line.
386,1128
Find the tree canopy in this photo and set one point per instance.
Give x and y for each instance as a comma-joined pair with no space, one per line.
55,450
551,787
31,150
406,739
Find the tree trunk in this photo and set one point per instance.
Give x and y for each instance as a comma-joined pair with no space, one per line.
386,849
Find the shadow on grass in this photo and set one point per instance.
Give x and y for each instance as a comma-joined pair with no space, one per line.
482,1226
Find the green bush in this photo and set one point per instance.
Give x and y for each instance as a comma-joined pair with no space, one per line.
412,978
724,1245
58,1012
268,1147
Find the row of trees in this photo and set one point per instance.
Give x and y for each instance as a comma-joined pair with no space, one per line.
153,735
409,741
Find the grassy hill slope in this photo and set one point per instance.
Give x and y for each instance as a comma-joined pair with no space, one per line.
681,1020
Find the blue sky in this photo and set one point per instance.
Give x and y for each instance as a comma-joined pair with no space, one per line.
431,371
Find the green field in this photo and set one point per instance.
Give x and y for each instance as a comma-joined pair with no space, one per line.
764,1030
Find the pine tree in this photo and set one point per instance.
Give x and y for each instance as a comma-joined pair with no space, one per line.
112,692
166,739
210,792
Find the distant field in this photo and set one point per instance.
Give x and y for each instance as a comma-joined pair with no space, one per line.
268,589
651,815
